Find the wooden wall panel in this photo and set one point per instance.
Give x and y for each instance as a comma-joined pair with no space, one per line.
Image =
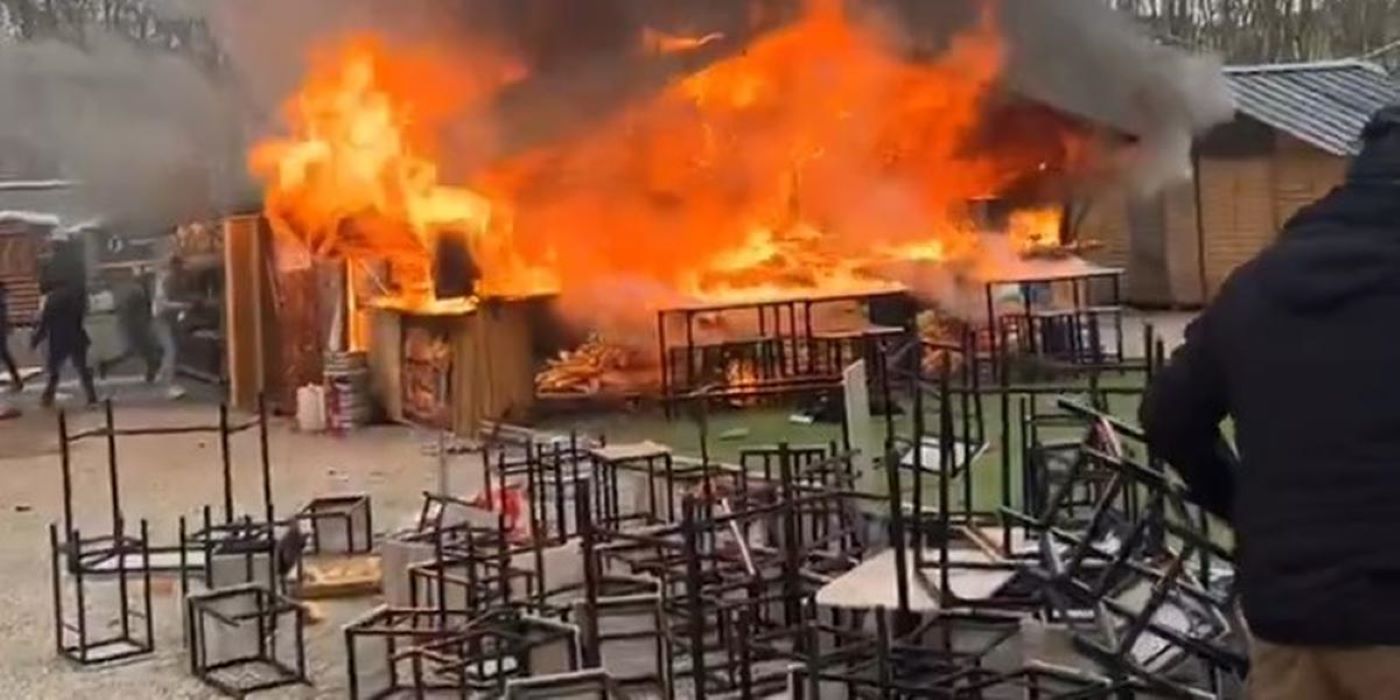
495,369
1183,249
243,307
1105,222
1167,274
301,341
1302,174
1237,201
492,373
19,271
385,360
1147,280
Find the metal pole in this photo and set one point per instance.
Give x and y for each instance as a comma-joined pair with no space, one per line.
112,466
792,591
266,459
124,603
945,465
442,485
592,651
560,511
81,603
919,429
226,456
882,653
57,581
897,533
150,641
65,461
885,389
1005,402
696,608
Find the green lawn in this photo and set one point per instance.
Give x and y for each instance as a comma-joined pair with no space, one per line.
771,425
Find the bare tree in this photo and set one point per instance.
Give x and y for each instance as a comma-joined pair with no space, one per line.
1270,31
136,20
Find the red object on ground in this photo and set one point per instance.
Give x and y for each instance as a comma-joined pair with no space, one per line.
510,504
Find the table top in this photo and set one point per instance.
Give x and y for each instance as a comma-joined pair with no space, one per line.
621,452
795,297
873,583
1059,270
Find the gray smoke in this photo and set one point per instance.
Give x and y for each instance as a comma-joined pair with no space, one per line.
156,138
1082,57
148,134
1088,60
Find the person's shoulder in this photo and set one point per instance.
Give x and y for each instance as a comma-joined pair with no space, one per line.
1244,278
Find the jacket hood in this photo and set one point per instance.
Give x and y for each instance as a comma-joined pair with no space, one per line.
1379,160
1345,245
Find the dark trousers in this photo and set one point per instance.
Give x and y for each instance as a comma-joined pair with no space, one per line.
77,355
9,359
140,342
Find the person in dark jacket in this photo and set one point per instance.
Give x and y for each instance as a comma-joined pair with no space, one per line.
61,327
1301,349
16,382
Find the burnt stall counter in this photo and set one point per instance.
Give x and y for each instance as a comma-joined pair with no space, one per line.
451,365
777,343
1067,310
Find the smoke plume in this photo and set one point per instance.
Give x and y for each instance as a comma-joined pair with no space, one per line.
157,138
148,134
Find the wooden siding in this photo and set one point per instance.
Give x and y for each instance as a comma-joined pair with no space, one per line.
1183,246
20,246
493,372
1302,174
1167,275
1237,211
1251,181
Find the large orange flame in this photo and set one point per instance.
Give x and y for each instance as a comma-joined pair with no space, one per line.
360,178
807,162
792,165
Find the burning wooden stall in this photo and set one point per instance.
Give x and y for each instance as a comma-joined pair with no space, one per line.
453,365
446,361
256,360
734,159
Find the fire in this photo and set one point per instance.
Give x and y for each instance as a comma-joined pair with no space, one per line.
807,163
741,373
1036,229
360,176
655,41
812,156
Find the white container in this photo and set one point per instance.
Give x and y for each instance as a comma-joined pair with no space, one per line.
311,409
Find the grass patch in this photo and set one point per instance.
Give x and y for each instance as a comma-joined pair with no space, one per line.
770,425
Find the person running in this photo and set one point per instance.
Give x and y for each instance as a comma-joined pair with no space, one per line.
61,327
168,312
16,382
134,318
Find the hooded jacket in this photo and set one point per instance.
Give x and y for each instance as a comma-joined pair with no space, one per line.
1301,349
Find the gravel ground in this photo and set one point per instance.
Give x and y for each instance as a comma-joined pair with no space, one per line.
161,479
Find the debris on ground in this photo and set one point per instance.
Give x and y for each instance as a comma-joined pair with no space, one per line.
734,434
340,577
595,366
